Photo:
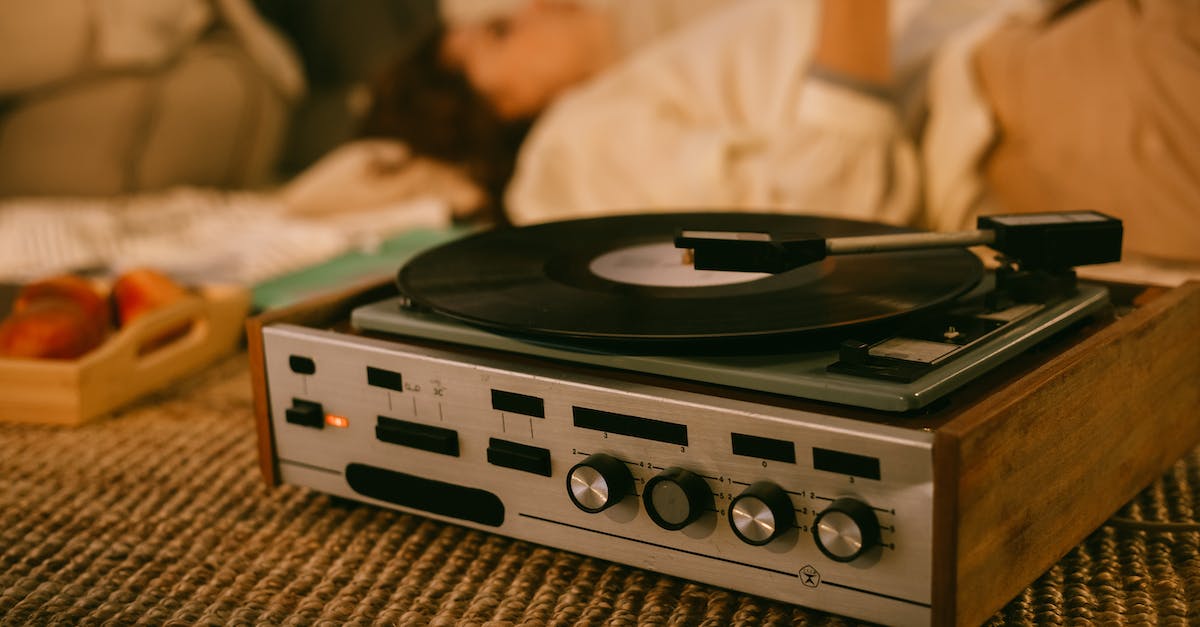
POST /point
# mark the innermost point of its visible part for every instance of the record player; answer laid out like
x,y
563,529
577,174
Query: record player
x,y
842,415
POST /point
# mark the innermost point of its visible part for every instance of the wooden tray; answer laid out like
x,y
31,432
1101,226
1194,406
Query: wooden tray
x,y
130,363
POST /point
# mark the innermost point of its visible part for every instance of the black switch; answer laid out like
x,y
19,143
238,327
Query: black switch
x,y
302,365
386,379
519,456
306,414
416,435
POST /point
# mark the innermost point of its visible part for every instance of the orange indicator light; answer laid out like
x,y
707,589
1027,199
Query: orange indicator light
x,y
335,420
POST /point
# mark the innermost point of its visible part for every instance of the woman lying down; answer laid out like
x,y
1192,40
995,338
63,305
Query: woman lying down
x,y
569,108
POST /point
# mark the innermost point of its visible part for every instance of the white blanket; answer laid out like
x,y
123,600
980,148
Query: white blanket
x,y
198,236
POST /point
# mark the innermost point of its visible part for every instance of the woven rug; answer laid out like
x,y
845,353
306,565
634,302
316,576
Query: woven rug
x,y
158,516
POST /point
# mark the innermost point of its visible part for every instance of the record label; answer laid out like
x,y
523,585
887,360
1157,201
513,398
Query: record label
x,y
661,265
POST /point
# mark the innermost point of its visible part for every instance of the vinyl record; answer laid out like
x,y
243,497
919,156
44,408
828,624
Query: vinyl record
x,y
620,279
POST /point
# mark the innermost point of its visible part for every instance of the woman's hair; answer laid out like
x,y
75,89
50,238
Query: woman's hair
x,y
431,107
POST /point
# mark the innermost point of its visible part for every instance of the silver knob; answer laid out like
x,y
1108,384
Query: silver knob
x,y
676,497
598,482
761,513
846,529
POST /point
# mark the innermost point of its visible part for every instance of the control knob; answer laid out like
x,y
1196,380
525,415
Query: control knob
x,y
598,482
761,513
846,529
676,497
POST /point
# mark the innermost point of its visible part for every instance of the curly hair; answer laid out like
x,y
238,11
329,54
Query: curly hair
x,y
433,108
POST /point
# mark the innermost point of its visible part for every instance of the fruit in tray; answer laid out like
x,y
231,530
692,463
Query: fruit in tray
x,y
69,288
138,292
141,291
50,329
66,316
61,317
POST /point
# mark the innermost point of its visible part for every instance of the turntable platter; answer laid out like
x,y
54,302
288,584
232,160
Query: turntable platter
x,y
620,279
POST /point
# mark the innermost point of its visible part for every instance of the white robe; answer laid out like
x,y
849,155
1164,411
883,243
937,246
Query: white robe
x,y
721,114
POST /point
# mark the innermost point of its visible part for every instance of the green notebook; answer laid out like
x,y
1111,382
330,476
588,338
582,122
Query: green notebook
x,y
348,268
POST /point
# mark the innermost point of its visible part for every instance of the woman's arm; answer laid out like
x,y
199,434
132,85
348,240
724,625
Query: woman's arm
x,y
853,40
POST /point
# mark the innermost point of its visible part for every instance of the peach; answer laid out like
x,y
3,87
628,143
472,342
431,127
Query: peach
x,y
140,291
67,287
50,328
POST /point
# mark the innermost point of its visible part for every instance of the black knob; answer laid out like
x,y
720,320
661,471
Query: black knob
x,y
846,529
598,482
761,513
676,497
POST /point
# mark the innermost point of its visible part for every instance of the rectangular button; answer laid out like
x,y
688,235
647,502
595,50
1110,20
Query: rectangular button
x,y
846,463
418,436
518,403
633,426
763,448
387,379
519,456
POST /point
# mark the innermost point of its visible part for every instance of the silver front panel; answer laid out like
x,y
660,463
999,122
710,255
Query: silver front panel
x,y
890,584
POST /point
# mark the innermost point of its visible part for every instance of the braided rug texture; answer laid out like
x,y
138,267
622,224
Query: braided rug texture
x,y
158,516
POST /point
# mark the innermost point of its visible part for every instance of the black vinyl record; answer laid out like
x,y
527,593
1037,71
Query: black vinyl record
x,y
620,280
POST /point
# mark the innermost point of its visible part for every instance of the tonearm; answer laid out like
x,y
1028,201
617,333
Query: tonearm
x,y
1038,251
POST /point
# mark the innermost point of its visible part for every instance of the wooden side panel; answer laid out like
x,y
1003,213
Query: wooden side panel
x,y
319,312
945,530
1044,461
262,406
